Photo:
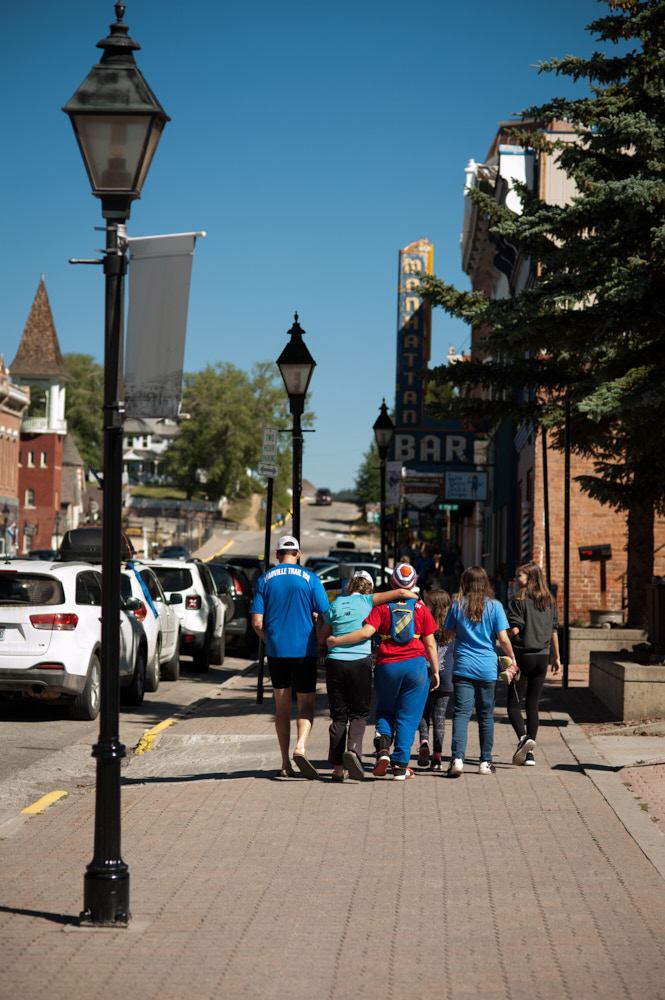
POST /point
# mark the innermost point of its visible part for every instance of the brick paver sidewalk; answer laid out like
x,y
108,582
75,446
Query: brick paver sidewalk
x,y
524,884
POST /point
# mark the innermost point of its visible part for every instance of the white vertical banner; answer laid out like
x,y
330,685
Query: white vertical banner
x,y
159,275
393,482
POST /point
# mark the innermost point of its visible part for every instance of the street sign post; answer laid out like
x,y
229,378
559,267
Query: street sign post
x,y
268,469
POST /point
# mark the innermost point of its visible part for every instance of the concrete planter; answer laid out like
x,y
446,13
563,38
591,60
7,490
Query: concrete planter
x,y
607,640
629,690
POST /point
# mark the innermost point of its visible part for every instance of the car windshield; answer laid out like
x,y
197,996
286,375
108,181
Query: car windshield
x,y
26,588
221,576
172,578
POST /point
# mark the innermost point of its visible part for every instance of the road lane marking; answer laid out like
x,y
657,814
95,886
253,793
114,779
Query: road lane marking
x,y
46,800
223,549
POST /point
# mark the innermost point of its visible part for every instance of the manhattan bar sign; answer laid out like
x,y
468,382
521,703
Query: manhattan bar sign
x,y
418,439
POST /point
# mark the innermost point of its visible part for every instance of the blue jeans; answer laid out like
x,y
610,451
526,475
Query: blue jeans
x,y
401,692
467,693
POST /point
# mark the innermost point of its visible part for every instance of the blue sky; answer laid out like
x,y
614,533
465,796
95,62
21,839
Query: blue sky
x,y
310,141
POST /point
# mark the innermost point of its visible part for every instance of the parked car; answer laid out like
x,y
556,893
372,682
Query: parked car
x,y
233,582
323,496
160,622
50,636
342,553
252,565
175,552
202,614
318,562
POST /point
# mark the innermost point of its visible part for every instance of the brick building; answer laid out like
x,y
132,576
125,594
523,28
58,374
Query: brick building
x,y
38,367
518,504
13,403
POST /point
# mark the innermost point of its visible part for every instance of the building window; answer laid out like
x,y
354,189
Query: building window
x,y
43,461
29,498
20,459
31,459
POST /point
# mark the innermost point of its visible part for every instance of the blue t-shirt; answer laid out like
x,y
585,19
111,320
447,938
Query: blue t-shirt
x,y
286,596
475,642
346,614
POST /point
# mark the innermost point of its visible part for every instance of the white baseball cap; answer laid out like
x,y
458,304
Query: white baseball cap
x,y
287,542
365,575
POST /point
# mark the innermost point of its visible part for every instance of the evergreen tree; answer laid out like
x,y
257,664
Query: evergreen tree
x,y
591,330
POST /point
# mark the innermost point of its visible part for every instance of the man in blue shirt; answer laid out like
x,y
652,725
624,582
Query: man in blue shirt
x,y
286,604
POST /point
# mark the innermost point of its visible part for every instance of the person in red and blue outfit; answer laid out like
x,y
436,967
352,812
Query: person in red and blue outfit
x,y
405,673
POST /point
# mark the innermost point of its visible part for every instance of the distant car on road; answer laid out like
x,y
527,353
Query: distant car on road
x,y
175,552
323,496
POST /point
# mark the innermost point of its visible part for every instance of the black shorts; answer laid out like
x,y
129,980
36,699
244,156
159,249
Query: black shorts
x,y
299,671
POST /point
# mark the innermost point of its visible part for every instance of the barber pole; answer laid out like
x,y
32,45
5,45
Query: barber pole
x,y
525,547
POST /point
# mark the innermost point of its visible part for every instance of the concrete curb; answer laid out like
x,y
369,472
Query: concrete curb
x,y
638,824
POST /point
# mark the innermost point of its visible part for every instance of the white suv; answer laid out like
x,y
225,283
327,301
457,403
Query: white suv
x,y
202,613
50,636
159,619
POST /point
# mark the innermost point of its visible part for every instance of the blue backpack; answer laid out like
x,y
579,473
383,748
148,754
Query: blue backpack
x,y
401,621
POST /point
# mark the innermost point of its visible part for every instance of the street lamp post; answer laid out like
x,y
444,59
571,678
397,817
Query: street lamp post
x,y
118,122
383,433
296,365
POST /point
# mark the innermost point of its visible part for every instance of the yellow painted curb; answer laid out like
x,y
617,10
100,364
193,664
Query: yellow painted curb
x,y
149,737
46,800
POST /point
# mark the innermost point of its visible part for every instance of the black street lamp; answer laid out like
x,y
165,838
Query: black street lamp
x,y
118,122
383,432
296,365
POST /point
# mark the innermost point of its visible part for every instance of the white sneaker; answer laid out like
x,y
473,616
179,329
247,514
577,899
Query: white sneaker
x,y
455,767
486,767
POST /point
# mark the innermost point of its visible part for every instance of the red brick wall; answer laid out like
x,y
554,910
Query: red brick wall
x,y
590,524
46,484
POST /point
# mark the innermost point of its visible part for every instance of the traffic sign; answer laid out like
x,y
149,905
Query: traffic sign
x,y
448,506
268,469
269,453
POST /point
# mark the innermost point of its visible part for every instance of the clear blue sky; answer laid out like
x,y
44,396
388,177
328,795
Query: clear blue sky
x,y
311,141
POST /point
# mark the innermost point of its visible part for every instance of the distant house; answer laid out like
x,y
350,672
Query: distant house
x,y
144,445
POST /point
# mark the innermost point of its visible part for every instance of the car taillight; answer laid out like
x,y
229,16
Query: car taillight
x,y
238,584
55,623
141,612
193,603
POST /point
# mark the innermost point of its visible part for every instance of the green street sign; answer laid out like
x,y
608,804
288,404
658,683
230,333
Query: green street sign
x,y
448,506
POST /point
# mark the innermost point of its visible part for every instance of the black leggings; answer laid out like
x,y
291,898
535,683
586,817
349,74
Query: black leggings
x,y
526,690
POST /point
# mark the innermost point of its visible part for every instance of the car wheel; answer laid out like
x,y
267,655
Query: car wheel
x,y
134,692
153,675
171,669
202,655
86,704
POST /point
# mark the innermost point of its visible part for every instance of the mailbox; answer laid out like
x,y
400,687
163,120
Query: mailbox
x,y
594,553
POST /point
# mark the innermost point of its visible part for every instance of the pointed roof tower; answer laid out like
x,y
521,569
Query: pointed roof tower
x,y
38,355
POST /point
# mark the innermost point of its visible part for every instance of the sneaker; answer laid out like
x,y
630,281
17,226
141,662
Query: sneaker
x,y
402,773
382,764
523,747
353,765
486,767
435,764
455,767
509,671
423,755
530,759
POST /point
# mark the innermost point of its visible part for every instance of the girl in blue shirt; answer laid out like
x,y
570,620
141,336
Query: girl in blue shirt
x,y
477,621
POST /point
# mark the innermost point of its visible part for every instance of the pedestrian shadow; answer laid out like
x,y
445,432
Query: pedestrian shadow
x,y
56,918
583,767
173,779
